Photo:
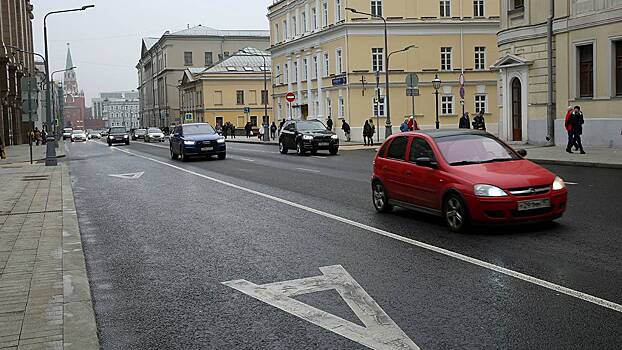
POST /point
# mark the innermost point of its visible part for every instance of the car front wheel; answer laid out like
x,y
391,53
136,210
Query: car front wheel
x,y
455,213
333,150
282,148
300,149
380,198
222,156
173,154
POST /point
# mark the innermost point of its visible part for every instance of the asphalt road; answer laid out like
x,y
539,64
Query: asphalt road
x,y
159,248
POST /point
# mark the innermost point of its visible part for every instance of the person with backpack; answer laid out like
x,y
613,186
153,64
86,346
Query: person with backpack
x,y
346,129
479,123
464,122
273,129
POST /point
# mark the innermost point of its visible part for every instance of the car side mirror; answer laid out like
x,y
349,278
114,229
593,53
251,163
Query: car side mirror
x,y
426,162
522,152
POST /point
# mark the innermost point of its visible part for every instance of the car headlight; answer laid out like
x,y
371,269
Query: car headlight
x,y
307,137
189,143
111,137
125,136
488,191
558,184
221,140
334,137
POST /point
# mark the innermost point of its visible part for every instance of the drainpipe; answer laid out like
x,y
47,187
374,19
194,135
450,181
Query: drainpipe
x,y
550,107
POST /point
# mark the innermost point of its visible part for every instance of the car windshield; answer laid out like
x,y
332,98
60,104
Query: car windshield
x,y
196,129
310,125
141,131
474,149
117,130
154,131
78,131
67,130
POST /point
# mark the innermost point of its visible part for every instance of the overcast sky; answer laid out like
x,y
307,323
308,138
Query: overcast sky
x,y
105,41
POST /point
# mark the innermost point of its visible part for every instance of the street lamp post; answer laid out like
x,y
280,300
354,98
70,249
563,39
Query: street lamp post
x,y
389,127
50,158
437,85
266,126
60,120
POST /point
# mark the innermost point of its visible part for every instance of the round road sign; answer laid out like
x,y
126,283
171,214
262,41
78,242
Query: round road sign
x,y
290,97
412,80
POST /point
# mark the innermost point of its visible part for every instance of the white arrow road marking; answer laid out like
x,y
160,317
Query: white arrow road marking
x,y
380,332
130,176
465,258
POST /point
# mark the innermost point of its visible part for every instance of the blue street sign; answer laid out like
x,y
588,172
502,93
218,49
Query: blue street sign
x,y
247,109
462,92
342,80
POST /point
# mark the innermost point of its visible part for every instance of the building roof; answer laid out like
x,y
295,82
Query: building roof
x,y
149,42
246,60
208,31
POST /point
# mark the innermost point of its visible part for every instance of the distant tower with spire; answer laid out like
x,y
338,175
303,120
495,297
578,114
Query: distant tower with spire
x,y
71,83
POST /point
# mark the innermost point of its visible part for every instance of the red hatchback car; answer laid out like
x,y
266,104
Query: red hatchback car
x,y
465,176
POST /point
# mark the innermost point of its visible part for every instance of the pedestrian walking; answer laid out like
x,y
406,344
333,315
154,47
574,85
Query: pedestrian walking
x,y
346,129
232,129
273,129
404,126
479,123
576,122
36,136
281,126
329,124
225,130
247,129
262,131
44,137
218,129
366,132
2,152
568,127
414,124
464,122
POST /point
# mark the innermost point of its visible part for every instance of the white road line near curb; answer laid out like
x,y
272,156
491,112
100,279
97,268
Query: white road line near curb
x,y
308,170
518,275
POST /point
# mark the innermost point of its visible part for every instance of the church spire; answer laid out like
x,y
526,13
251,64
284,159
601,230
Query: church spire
x,y
69,60
71,83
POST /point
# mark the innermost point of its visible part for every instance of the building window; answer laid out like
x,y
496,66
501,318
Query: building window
x,y
377,59
305,69
376,8
378,107
586,71
480,103
294,26
338,61
325,13
209,59
326,64
329,106
276,33
315,68
285,31
264,97
446,58
445,8
187,58
478,8
518,4
447,105
480,58
303,22
277,78
342,107
314,18
296,76
239,94
618,67
338,13
286,73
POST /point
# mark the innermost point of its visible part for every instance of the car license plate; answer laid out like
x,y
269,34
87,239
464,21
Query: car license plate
x,y
207,148
534,204
118,138
323,144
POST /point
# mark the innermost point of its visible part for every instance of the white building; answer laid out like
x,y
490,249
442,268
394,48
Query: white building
x,y
118,109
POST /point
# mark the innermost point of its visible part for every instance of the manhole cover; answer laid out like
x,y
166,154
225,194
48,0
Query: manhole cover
x,y
35,178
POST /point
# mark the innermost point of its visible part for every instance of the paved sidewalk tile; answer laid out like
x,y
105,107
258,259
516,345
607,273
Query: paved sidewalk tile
x,y
45,300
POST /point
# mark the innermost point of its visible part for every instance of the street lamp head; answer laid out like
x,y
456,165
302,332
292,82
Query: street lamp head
x,y
351,10
436,82
87,7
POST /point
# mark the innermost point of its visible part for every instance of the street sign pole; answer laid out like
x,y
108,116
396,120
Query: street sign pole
x,y
30,118
378,104
462,91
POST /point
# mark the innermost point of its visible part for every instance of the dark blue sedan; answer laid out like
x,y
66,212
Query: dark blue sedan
x,y
197,140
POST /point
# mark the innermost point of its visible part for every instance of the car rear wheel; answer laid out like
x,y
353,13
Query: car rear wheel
x,y
333,150
455,213
282,148
380,198
300,149
173,154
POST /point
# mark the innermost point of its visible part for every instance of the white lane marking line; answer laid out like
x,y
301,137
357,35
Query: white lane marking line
x,y
244,159
518,275
319,157
571,183
308,170
380,331
129,176
250,150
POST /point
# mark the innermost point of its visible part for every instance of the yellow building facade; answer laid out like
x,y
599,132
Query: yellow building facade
x,y
230,91
331,58
587,69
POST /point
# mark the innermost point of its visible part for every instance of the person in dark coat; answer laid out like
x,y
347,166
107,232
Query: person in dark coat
x,y
232,128
576,122
273,129
366,132
346,129
464,122
329,124
248,128
479,123
225,130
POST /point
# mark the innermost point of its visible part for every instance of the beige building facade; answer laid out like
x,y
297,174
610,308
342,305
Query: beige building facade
x,y
221,93
331,58
163,62
587,61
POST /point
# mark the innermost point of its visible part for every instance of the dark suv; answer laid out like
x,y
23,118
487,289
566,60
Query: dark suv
x,y
118,134
307,135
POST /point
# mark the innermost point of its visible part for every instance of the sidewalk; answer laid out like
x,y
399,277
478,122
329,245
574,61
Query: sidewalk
x,y
595,157
21,153
45,300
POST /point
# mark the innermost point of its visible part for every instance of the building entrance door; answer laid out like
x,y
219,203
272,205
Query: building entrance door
x,y
517,113
304,111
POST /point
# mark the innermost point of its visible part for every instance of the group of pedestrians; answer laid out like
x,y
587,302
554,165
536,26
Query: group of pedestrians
x,y
409,124
369,129
227,129
574,125
479,123
38,137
